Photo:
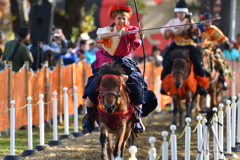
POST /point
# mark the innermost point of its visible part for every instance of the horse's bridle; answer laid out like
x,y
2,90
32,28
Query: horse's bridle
x,y
116,94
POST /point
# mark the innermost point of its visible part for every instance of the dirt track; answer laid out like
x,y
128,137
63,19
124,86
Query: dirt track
x,y
88,147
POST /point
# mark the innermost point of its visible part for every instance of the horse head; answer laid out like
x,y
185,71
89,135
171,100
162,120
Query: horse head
x,y
110,86
180,66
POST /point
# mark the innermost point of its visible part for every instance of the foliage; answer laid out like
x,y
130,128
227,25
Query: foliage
x,y
87,25
141,6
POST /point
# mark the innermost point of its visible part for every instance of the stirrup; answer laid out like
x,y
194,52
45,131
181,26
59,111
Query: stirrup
x,y
139,130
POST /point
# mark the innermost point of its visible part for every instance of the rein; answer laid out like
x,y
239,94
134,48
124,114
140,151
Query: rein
x,y
116,94
183,73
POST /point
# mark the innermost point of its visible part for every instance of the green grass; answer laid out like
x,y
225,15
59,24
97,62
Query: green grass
x,y
21,138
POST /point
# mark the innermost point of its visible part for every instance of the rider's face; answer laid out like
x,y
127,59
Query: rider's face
x,y
121,20
206,25
181,15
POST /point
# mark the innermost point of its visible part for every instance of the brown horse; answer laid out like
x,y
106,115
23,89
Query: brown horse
x,y
215,87
114,112
181,84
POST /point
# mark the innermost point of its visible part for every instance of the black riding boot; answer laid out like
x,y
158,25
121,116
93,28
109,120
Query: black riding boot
x,y
87,122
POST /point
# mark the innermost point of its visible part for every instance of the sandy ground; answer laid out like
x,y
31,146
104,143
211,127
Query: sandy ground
x,y
88,147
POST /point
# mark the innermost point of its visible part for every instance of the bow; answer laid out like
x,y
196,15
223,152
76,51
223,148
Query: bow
x,y
144,55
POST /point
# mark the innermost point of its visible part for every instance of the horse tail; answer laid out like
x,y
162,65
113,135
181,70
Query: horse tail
x,y
131,139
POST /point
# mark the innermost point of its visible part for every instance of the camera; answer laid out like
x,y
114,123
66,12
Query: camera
x,y
208,114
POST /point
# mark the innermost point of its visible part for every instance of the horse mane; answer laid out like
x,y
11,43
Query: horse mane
x,y
110,68
179,53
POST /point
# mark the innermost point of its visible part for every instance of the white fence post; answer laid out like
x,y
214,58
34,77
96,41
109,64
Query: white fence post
x,y
152,153
229,149
66,116
55,140
206,140
215,125
12,128
30,149
29,112
233,136
133,150
41,124
238,122
199,134
187,139
12,134
164,146
173,143
75,100
221,128
75,109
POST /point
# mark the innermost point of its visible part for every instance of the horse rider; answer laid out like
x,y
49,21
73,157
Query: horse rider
x,y
210,37
183,39
117,45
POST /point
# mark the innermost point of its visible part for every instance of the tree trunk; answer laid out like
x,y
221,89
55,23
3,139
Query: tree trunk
x,y
18,14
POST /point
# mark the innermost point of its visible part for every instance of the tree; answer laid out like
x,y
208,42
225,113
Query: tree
x,y
17,10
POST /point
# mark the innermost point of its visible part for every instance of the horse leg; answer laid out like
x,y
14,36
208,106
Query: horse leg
x,y
119,139
110,147
103,140
180,113
189,104
126,137
175,108
214,97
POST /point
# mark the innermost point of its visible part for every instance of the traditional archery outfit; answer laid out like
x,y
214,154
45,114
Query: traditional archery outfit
x,y
116,49
215,35
182,40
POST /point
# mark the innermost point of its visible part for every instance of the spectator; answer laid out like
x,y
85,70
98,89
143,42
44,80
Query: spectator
x,y
17,51
156,54
231,53
2,65
97,46
59,41
39,56
1,41
238,42
90,56
82,48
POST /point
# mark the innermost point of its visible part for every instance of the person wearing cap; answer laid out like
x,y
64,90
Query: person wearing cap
x,y
182,40
210,37
156,54
117,45
17,51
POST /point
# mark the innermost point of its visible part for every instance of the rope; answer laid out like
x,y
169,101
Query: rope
x,y
148,153
48,102
60,98
160,151
5,111
182,133
22,107
36,103
71,95
195,128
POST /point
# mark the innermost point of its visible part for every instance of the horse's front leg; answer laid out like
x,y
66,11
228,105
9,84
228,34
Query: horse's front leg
x,y
126,138
103,140
180,108
110,147
189,104
119,139
175,108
